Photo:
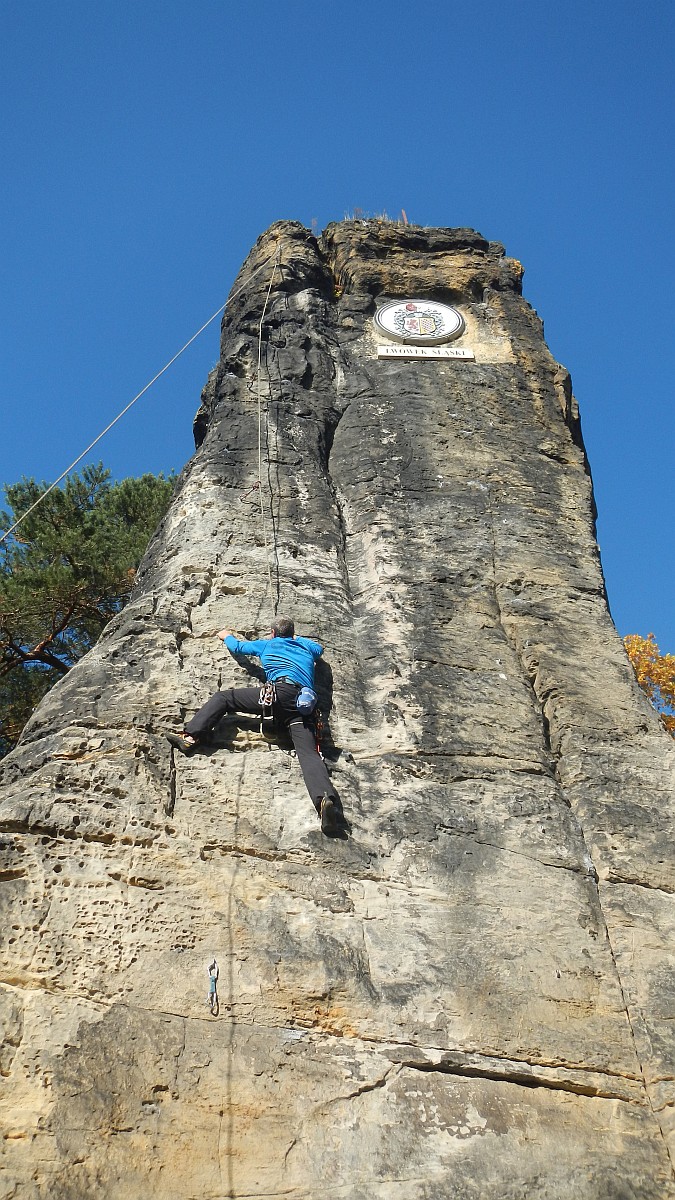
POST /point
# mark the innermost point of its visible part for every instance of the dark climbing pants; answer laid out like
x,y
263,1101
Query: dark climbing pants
x,y
301,729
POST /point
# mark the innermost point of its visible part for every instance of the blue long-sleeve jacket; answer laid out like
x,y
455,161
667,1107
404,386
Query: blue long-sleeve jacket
x,y
292,657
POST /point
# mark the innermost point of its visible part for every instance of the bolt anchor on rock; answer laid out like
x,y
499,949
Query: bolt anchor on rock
x,y
212,998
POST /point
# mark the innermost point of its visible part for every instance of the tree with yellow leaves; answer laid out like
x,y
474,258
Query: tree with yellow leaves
x,y
656,675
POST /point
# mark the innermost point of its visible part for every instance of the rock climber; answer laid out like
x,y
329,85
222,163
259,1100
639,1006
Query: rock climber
x,y
288,662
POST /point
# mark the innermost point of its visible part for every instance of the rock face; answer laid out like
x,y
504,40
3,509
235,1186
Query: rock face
x,y
470,996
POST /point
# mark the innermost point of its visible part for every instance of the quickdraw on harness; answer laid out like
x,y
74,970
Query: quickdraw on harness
x,y
319,729
212,998
266,700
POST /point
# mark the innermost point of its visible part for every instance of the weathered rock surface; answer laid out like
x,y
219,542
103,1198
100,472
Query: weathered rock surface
x,y
474,994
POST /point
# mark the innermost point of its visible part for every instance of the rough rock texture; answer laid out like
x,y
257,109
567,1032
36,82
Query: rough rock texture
x,y
471,996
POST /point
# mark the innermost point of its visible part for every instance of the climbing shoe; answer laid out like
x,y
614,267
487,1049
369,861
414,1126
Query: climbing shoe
x,y
330,816
183,742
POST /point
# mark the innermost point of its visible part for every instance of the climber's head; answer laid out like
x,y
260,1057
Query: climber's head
x,y
283,627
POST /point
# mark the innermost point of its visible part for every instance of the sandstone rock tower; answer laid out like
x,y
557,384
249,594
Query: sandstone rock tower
x,y
470,996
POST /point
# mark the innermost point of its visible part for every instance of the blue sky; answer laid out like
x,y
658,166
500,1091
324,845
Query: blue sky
x,y
146,145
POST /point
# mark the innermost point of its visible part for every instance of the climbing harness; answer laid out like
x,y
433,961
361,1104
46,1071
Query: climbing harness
x,y
212,998
245,284
319,726
306,704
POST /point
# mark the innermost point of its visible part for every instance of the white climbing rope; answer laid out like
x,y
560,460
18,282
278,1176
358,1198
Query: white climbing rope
x,y
131,403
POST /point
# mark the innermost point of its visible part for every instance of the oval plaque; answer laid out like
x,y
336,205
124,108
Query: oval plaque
x,y
419,322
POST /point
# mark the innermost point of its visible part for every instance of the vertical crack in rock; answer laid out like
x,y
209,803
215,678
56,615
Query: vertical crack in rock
x,y
662,1123
537,706
330,431
171,800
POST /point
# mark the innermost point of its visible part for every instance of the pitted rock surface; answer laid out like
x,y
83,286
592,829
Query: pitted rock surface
x,y
470,996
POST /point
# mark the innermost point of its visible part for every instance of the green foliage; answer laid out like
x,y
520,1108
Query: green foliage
x,y
20,692
64,573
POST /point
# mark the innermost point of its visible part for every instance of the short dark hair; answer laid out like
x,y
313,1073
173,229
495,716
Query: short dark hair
x,y
283,627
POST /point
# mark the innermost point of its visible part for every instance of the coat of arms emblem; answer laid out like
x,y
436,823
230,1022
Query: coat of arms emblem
x,y
411,321
419,322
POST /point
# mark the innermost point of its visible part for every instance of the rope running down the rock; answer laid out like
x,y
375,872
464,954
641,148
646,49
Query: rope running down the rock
x,y
131,403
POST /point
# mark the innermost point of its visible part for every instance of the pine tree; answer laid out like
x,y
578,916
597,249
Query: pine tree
x,y
64,573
